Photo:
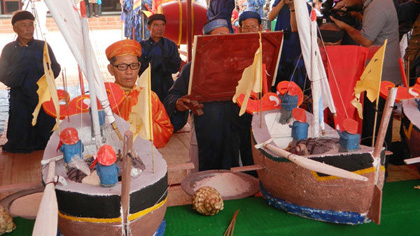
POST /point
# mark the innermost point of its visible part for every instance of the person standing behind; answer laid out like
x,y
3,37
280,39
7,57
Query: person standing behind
x,y
256,6
218,132
21,66
290,58
163,55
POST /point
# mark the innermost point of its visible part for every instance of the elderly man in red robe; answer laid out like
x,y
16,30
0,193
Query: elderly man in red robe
x,y
124,65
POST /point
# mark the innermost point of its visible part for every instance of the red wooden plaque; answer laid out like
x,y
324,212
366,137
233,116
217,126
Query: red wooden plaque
x,y
219,61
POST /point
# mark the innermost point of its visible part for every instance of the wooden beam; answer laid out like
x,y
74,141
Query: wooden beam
x,y
183,166
246,168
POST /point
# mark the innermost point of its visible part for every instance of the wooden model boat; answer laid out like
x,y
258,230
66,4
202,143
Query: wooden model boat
x,y
86,209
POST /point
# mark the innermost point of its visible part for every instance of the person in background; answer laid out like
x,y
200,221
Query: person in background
x,y
93,7
162,53
21,66
123,57
380,22
291,66
221,9
256,6
219,136
250,22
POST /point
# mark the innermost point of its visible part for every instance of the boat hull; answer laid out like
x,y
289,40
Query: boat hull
x,y
313,195
411,126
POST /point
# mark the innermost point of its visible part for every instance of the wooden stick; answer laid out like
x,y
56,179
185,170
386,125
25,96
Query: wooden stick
x,y
126,179
389,104
314,165
374,212
183,166
231,227
47,217
413,160
246,168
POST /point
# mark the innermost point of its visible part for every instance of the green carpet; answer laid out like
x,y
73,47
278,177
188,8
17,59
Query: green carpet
x,y
400,216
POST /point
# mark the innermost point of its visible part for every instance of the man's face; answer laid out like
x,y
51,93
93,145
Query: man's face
x,y
220,30
157,29
126,78
250,25
24,29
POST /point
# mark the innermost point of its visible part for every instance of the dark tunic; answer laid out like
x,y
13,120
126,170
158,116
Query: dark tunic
x,y
20,69
291,65
165,60
221,9
222,135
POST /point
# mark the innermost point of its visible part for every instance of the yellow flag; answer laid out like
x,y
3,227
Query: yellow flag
x,y
251,79
140,118
370,81
47,89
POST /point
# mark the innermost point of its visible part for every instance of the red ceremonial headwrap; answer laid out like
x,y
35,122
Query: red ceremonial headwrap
x,y
123,47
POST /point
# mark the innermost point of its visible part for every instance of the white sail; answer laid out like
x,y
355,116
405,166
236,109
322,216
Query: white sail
x,y
313,63
74,29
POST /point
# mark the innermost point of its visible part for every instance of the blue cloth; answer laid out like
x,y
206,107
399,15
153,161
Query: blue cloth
x,y
221,133
256,6
299,130
211,25
20,69
134,18
69,151
349,141
221,9
291,51
108,175
165,60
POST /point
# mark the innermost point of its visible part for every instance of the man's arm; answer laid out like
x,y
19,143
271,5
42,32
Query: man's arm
x,y
175,98
173,61
56,68
162,126
275,10
353,33
11,69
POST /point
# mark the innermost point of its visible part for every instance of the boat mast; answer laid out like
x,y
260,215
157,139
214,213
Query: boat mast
x,y
89,77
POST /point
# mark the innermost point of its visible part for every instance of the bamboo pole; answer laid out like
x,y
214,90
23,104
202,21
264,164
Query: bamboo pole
x,y
126,180
47,217
313,165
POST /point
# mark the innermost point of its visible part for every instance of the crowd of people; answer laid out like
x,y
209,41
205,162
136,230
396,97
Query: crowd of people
x,y
220,139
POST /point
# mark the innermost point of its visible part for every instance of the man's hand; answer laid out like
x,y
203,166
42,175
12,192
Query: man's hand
x,y
339,23
184,103
346,3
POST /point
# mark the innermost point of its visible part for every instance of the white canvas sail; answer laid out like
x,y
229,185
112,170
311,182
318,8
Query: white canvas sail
x,y
74,29
321,93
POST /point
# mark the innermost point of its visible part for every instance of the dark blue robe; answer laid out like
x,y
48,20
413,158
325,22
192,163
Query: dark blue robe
x,y
221,133
165,60
291,51
20,69
221,9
